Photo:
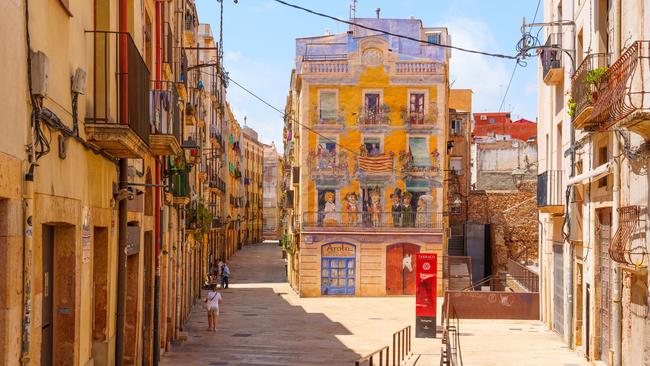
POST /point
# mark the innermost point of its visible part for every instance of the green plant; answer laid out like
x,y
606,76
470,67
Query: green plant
x,y
200,218
595,76
571,105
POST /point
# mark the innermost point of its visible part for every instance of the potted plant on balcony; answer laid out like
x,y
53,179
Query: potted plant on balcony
x,y
593,79
571,107
199,220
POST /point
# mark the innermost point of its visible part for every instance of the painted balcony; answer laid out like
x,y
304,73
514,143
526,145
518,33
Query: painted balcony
x,y
375,119
419,122
550,192
584,91
418,68
372,221
374,169
623,93
552,67
119,120
328,167
326,67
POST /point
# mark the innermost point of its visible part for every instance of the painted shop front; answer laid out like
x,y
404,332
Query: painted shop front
x,y
363,264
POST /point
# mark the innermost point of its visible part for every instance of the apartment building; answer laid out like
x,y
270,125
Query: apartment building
x,y
593,183
367,127
272,192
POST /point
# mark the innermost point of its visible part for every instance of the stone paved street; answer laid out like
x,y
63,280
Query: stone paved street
x,y
263,322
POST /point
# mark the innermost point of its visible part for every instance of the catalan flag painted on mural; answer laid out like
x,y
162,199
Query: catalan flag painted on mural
x,y
376,164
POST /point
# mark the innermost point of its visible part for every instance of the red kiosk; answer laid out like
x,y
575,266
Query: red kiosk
x,y
425,295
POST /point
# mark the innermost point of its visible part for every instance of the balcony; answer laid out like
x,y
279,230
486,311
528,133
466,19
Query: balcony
x,y
328,167
163,110
216,183
374,119
374,168
418,68
550,192
119,119
372,221
326,67
419,122
621,96
552,68
583,91
180,187
332,121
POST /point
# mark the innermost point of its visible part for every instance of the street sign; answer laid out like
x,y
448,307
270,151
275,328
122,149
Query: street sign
x,y
425,295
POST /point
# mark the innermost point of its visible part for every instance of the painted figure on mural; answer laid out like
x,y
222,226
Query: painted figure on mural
x,y
352,208
375,207
408,213
435,160
396,207
425,203
329,209
374,151
363,150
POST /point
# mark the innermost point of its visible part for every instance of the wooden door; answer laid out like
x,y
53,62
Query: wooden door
x,y
48,292
400,268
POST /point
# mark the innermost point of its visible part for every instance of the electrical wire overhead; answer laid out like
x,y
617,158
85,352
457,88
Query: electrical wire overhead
x,y
491,54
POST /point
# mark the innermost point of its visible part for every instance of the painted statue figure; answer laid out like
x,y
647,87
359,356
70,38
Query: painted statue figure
x,y
352,208
329,209
396,206
375,207
408,213
407,262
425,203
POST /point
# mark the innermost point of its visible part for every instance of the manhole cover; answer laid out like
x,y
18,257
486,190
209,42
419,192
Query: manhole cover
x,y
241,335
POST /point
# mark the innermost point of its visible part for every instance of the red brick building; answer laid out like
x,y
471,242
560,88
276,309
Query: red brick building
x,y
502,127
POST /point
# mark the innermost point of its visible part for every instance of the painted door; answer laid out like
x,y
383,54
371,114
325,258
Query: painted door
x,y
400,268
337,276
48,292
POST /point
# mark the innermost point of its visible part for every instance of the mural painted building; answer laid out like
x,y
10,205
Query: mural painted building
x,y
370,142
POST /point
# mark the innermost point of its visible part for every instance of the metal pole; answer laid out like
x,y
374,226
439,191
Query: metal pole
x,y
121,266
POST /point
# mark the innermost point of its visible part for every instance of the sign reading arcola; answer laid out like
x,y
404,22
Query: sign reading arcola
x,y
342,250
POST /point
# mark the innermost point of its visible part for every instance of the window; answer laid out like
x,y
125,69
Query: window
x,y
456,165
372,146
491,121
372,103
455,127
328,106
483,117
602,155
433,38
419,148
416,108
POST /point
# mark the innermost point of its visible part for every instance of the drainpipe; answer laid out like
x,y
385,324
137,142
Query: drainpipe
x,y
28,255
616,280
158,212
123,64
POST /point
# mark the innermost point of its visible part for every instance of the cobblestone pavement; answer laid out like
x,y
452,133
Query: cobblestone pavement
x,y
263,322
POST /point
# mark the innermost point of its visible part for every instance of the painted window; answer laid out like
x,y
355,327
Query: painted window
x,y
328,110
433,38
419,148
416,103
372,103
373,145
456,164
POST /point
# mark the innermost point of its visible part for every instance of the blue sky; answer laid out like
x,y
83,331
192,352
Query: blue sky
x,y
259,41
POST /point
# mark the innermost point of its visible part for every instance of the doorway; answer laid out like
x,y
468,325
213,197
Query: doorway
x,y
603,232
100,288
47,328
578,305
147,311
400,268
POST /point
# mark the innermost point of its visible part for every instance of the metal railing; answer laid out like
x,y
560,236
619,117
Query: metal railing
x,y
374,117
180,183
582,92
390,356
451,354
130,79
550,191
622,89
551,59
526,278
373,220
163,109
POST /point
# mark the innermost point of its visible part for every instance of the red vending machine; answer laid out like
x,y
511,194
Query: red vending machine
x,y
425,295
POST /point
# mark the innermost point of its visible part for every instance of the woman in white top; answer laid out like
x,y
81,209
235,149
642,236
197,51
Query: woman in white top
x,y
212,301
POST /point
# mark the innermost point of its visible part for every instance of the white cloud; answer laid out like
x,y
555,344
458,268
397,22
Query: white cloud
x,y
230,55
486,76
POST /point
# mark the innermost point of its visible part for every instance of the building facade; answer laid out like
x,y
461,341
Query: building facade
x,y
592,182
272,192
368,118
115,203
253,161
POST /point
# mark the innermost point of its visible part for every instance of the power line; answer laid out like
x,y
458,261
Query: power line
x,y
498,55
293,119
508,88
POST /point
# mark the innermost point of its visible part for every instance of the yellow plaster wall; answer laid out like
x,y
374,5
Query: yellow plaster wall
x,y
460,99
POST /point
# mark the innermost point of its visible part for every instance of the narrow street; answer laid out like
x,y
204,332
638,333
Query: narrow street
x,y
263,322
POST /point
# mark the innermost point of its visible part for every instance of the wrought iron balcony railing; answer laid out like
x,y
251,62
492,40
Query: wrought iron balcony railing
x,y
366,220
550,191
622,89
552,70
583,90
121,89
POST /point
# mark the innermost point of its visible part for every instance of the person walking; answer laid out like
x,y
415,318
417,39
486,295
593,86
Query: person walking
x,y
212,301
225,273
